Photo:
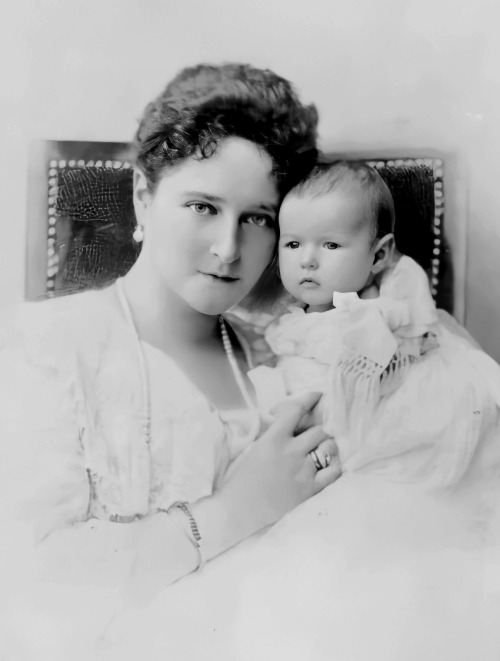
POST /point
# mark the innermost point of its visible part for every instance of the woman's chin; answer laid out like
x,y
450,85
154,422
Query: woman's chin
x,y
214,296
212,306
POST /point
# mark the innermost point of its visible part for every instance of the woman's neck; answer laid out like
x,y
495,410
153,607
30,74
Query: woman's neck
x,y
161,317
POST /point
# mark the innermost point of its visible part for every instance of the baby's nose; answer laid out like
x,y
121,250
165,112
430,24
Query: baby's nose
x,y
309,259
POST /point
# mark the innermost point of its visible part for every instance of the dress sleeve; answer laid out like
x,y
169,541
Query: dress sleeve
x,y
44,485
43,480
44,491
63,574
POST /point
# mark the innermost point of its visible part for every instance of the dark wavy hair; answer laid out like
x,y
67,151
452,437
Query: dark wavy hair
x,y
205,104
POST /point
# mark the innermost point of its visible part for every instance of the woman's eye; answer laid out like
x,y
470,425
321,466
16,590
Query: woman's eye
x,y
260,221
330,245
202,209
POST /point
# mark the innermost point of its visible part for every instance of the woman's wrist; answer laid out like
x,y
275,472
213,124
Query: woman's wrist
x,y
166,552
221,523
163,554
181,514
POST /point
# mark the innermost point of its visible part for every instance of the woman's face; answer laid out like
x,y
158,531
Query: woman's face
x,y
209,228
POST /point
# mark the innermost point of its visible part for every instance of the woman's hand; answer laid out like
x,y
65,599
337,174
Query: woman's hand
x,y
272,477
314,416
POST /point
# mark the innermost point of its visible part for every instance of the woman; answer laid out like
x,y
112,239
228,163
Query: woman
x,y
122,409
368,568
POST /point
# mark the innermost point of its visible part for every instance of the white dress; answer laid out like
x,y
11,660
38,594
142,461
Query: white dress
x,y
377,566
76,466
367,570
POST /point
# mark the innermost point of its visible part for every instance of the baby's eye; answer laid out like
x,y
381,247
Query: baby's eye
x,y
260,221
293,245
330,245
202,209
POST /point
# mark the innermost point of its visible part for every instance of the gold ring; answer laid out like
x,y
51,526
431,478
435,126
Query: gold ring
x,y
317,461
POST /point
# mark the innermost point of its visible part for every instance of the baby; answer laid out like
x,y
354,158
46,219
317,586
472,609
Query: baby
x,y
405,394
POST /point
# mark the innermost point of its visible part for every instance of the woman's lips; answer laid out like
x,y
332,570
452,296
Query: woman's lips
x,y
220,277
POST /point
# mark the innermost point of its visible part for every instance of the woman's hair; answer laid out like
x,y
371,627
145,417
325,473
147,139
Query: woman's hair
x,y
205,104
351,177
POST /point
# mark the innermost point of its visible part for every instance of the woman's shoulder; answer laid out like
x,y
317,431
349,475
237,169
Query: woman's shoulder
x,y
68,309
57,327
86,314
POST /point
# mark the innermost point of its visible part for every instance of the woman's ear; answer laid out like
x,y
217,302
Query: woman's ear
x,y
141,196
383,254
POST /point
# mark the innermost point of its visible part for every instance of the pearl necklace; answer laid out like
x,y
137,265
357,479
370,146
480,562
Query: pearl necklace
x,y
238,376
145,388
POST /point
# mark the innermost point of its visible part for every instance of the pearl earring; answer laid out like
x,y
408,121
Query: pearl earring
x,y
138,234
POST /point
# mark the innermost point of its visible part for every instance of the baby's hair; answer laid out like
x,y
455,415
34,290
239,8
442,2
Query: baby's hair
x,y
349,177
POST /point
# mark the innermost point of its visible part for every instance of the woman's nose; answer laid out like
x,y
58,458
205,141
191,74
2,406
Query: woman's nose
x,y
308,259
226,245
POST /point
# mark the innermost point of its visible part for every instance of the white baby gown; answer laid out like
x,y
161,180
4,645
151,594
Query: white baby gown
x,y
399,559
404,396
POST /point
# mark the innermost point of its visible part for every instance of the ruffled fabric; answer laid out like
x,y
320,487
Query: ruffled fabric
x,y
252,326
72,414
403,395
381,338
76,463
202,442
393,570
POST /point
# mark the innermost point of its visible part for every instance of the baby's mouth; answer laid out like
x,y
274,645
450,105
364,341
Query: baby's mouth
x,y
308,281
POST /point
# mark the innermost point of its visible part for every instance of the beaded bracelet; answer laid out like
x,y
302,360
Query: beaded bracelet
x,y
195,537
183,506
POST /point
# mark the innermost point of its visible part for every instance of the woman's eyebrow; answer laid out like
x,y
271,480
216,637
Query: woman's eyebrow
x,y
207,196
271,207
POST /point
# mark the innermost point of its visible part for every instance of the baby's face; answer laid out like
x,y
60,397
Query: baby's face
x,y
326,245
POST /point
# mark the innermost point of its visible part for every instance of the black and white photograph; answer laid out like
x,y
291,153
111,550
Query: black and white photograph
x,y
250,330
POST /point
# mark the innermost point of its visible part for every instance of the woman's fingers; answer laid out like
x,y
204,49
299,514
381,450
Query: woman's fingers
x,y
322,455
328,475
289,413
310,439
328,447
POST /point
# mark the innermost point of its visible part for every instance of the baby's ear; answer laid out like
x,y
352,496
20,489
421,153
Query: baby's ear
x,y
383,254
